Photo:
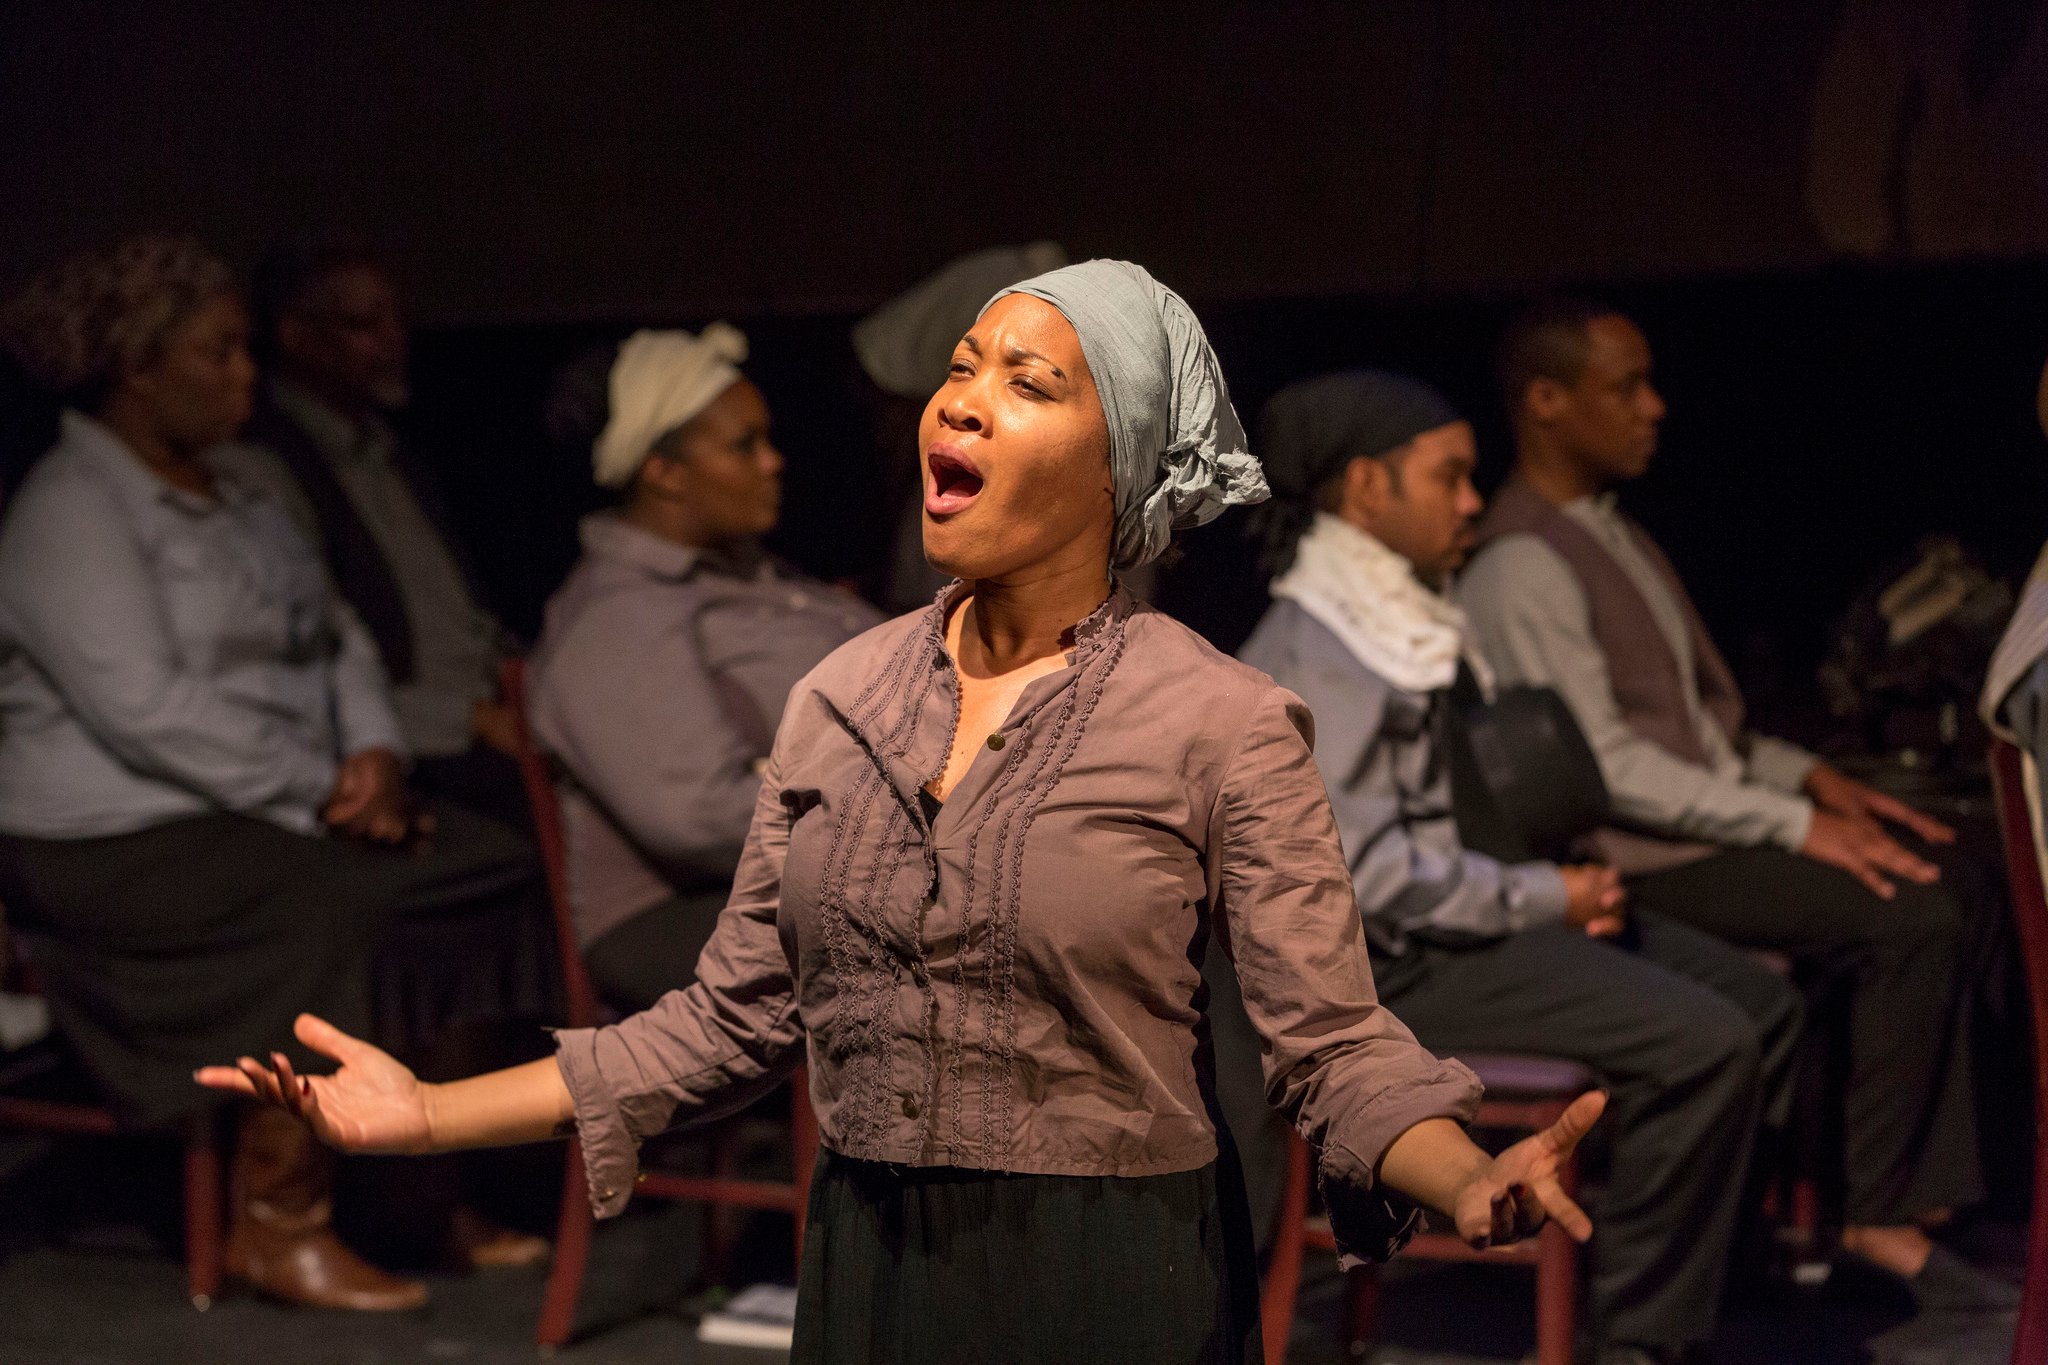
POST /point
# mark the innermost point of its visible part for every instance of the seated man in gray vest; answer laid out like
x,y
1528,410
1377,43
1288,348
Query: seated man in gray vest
x,y
1373,507
1741,835
322,442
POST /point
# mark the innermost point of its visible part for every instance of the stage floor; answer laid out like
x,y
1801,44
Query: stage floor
x,y
93,1287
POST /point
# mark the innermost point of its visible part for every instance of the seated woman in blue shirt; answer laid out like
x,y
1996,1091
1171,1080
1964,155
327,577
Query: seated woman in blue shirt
x,y
201,780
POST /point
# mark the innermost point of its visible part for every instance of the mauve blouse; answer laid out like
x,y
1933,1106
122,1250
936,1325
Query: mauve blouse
x,y
1016,985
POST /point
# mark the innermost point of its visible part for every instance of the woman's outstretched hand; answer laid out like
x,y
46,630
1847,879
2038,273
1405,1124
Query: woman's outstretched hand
x,y
370,1104
1510,1197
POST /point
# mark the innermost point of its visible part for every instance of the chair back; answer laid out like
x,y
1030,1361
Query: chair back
x,y
2030,911
537,774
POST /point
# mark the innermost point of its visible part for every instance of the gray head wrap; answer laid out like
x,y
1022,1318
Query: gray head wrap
x,y
1177,453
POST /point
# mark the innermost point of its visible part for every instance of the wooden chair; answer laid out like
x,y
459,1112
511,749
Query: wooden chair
x,y
1522,1093
204,1183
2030,910
718,1191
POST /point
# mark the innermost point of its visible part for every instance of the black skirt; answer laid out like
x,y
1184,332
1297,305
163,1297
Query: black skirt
x,y
929,1266
199,939
188,943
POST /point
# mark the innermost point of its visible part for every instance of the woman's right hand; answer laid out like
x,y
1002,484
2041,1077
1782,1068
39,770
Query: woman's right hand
x,y
371,1103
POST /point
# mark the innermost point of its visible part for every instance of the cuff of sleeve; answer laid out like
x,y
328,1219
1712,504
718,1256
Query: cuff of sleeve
x,y
356,741
1793,826
1368,1221
1541,894
367,723
1370,1226
313,784
611,1155
1780,766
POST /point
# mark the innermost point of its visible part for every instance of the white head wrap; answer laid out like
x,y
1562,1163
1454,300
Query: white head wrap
x,y
906,345
660,381
1177,453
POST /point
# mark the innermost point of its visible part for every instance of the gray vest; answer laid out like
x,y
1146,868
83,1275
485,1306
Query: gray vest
x,y
1648,685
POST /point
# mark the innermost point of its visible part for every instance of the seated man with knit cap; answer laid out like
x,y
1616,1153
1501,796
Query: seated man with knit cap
x,y
1746,837
666,658
1373,509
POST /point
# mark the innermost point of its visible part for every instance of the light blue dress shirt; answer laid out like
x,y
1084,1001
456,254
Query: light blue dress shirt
x,y
164,654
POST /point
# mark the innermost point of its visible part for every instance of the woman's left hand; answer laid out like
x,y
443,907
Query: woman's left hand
x,y
1508,1198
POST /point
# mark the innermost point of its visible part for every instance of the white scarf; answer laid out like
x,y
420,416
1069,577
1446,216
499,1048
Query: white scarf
x,y
1370,599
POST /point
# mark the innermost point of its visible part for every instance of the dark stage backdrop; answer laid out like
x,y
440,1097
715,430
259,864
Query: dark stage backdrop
x,y
530,161
1832,216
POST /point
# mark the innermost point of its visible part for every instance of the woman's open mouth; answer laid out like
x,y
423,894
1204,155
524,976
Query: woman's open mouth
x,y
954,482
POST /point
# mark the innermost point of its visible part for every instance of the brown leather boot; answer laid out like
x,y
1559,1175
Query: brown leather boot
x,y
281,1240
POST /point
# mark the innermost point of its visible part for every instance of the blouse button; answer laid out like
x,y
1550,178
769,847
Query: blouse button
x,y
910,1106
995,742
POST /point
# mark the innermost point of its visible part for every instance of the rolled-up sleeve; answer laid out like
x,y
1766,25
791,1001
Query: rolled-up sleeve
x,y
1347,1074
701,1052
79,599
1778,764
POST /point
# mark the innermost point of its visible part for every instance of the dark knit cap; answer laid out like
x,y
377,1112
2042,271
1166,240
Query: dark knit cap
x,y
1312,429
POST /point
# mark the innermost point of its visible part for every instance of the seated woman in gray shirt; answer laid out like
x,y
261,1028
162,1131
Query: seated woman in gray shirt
x,y
991,842
666,657
202,799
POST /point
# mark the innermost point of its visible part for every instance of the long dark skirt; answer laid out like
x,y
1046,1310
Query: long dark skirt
x,y
200,939
910,1266
186,943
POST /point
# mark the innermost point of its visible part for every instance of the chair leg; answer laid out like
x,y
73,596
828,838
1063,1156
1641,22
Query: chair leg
x,y
572,1255
721,1221
1557,1285
205,1212
1362,1310
803,1142
1283,1264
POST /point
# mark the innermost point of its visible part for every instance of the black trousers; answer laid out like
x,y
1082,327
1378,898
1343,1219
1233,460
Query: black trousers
x,y
467,943
1693,1041
637,962
1909,1125
479,779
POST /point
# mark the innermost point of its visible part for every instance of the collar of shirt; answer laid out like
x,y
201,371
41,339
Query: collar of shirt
x,y
339,436
1599,513
139,488
607,535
